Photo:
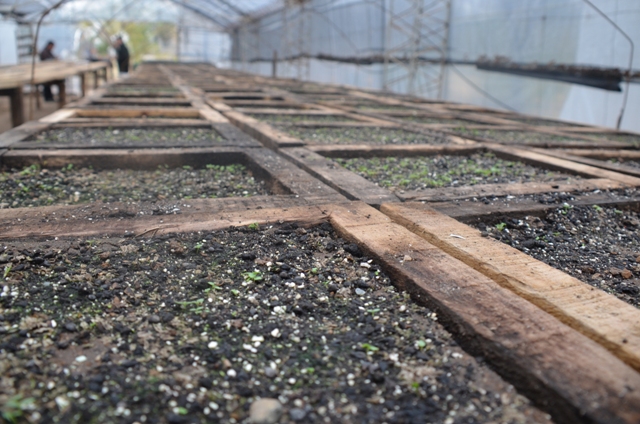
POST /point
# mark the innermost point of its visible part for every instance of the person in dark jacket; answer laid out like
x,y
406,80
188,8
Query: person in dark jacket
x,y
47,54
122,55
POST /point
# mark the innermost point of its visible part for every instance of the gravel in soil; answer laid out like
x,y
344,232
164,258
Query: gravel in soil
x,y
129,136
598,245
517,137
33,186
361,135
415,173
196,327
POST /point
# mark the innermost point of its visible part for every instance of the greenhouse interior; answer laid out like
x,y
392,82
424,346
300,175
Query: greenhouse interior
x,y
332,211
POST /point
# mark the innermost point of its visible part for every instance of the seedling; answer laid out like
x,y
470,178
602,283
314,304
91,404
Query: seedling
x,y
501,226
369,347
253,276
198,247
235,292
597,208
254,226
7,270
421,344
213,286
12,410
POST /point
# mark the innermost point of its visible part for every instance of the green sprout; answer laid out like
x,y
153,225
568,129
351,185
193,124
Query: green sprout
x,y
12,410
501,226
198,247
254,226
597,208
7,270
253,276
369,347
213,286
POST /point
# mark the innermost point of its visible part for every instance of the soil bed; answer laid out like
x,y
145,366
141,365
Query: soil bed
x,y
33,186
516,137
415,173
193,328
129,136
597,245
362,135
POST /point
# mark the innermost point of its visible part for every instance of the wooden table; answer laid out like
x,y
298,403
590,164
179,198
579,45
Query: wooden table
x,y
14,78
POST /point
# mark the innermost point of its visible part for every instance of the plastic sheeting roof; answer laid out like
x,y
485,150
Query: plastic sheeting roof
x,y
222,13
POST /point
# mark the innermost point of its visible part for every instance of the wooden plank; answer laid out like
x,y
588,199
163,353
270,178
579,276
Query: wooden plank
x,y
288,112
470,211
569,375
497,190
602,153
131,123
368,150
141,101
59,115
292,179
164,224
616,167
600,316
349,184
562,164
139,113
16,101
125,158
340,124
261,131
20,133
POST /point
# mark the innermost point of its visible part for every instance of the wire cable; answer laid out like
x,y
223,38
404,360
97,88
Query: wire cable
x,y
480,90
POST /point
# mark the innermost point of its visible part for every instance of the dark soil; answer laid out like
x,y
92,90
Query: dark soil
x,y
193,328
516,137
33,186
597,245
362,135
415,173
130,136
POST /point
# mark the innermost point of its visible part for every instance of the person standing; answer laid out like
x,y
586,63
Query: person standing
x,y
122,55
47,54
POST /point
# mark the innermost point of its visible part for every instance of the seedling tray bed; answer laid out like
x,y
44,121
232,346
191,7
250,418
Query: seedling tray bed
x,y
199,326
520,137
598,245
416,173
33,186
123,137
362,135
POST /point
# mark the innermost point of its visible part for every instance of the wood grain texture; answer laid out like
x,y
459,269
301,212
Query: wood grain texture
x,y
600,316
569,375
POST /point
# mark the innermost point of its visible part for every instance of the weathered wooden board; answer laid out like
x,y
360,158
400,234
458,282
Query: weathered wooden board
x,y
349,184
568,374
519,189
595,313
